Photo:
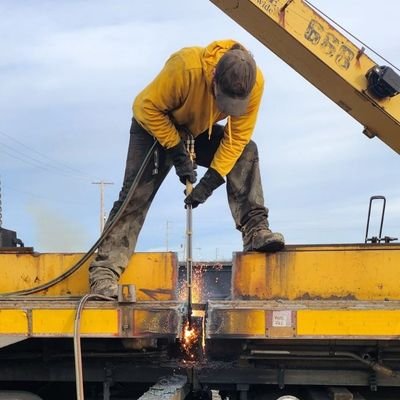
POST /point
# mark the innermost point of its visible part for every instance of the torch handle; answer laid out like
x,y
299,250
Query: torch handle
x,y
189,254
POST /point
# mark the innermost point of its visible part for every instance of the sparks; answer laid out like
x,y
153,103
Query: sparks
x,y
189,340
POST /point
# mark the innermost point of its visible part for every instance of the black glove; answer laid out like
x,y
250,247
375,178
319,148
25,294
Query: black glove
x,y
184,166
208,183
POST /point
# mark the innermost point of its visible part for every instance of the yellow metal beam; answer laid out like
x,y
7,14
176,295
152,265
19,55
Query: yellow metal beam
x,y
352,272
324,56
39,316
303,319
155,275
52,312
51,322
13,322
367,323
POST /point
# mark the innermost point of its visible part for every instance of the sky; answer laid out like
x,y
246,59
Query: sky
x,y
69,72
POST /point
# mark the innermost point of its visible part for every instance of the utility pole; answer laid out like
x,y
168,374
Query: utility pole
x,y
167,235
102,213
199,251
183,247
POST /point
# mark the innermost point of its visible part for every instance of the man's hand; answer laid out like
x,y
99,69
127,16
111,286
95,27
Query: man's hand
x,y
184,166
208,183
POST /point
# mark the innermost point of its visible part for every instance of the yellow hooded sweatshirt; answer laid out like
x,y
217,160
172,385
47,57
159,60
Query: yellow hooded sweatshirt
x,y
182,94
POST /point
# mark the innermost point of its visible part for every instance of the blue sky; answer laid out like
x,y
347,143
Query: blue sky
x,y
69,71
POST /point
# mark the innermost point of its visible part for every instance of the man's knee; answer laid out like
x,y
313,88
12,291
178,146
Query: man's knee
x,y
250,152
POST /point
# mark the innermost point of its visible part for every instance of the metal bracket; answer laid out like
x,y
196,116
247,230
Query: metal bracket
x,y
126,293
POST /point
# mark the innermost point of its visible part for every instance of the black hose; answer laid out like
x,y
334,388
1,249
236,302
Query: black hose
x,y
106,231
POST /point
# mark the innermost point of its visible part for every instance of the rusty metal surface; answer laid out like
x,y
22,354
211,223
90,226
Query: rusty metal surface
x,y
155,275
334,272
53,317
314,319
16,250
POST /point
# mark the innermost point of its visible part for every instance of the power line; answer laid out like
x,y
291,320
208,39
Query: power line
x,y
31,194
68,167
350,34
27,159
24,160
53,165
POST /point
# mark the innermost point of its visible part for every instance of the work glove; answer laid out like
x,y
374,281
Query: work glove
x,y
184,166
201,192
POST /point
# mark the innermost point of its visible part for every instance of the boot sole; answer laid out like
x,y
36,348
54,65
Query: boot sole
x,y
271,247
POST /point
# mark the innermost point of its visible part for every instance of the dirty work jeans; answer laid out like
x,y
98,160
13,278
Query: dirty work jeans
x,y
243,185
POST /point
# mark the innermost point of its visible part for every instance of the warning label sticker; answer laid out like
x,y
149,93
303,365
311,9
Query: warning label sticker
x,y
281,319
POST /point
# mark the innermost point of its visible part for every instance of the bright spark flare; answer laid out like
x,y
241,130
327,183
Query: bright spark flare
x,y
189,340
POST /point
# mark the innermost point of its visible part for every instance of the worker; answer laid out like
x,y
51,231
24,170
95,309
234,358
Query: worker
x,y
197,87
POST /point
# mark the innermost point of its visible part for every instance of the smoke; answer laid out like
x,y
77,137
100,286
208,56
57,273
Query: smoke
x,y
54,232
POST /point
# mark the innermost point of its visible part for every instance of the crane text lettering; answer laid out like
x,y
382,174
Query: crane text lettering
x,y
329,44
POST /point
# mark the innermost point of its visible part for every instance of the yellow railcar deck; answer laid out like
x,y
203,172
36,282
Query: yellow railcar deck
x,y
35,316
304,292
307,319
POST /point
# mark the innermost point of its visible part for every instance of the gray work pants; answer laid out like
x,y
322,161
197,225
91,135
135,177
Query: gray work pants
x,y
244,191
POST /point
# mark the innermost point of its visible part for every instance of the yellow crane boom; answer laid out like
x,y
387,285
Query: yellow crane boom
x,y
307,42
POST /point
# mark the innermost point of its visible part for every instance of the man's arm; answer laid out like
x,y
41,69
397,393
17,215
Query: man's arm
x,y
152,107
165,93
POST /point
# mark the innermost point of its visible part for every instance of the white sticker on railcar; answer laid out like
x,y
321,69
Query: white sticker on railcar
x,y
281,319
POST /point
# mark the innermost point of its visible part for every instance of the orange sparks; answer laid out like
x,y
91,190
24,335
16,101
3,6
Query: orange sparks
x,y
189,340
199,291
193,340
189,336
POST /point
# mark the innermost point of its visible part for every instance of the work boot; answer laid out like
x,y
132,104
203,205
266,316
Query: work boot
x,y
105,287
263,240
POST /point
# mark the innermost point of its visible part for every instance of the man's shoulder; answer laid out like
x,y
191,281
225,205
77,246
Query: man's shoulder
x,y
188,57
